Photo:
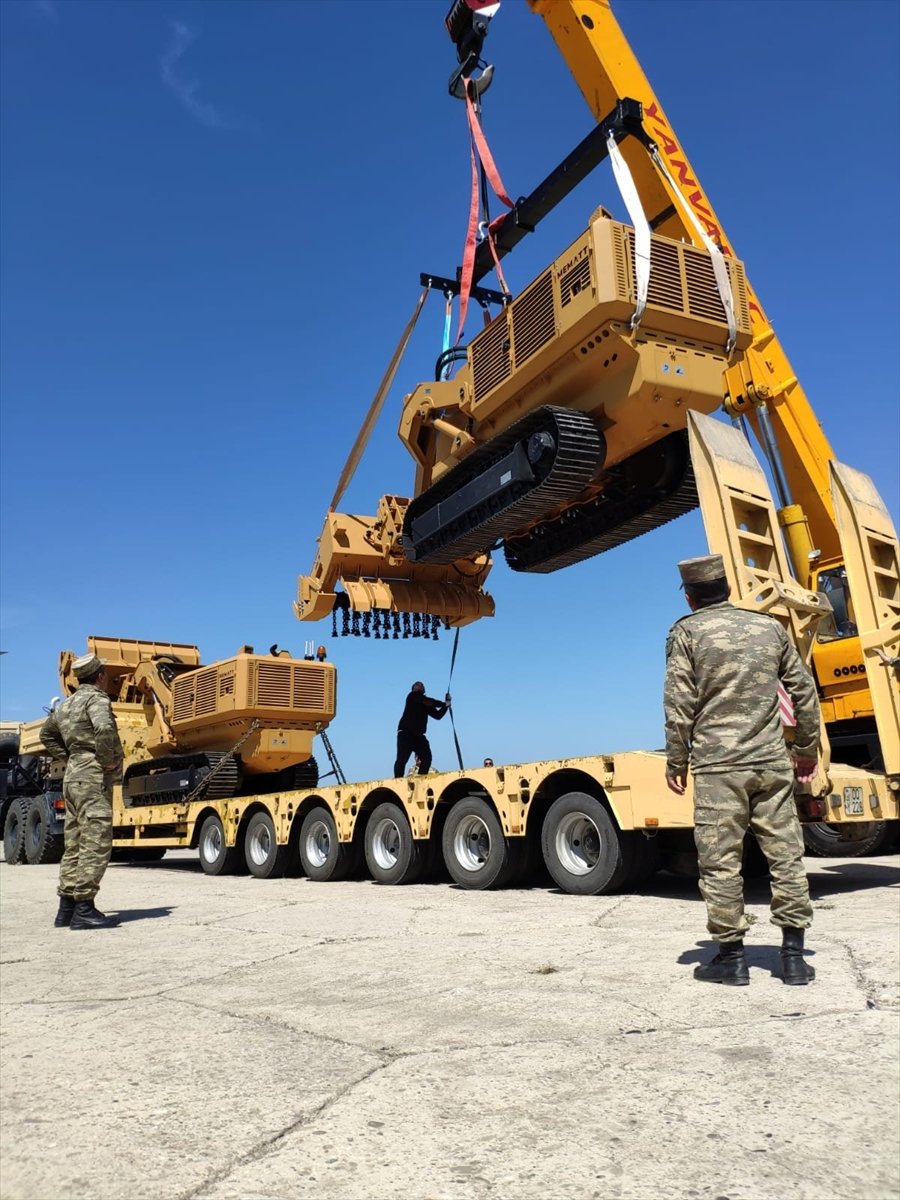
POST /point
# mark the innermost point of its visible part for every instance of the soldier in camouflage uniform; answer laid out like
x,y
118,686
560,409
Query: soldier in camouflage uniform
x,y
723,666
83,732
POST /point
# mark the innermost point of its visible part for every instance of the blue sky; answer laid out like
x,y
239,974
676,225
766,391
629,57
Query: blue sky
x,y
213,221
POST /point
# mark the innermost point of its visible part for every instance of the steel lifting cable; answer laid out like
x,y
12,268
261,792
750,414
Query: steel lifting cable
x,y
459,757
376,406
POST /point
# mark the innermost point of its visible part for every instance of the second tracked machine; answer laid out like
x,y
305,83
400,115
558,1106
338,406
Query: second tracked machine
x,y
244,724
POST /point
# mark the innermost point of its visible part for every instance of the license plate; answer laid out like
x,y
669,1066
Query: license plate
x,y
853,802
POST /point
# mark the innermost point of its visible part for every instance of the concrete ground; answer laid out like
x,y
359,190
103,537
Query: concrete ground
x,y
244,1040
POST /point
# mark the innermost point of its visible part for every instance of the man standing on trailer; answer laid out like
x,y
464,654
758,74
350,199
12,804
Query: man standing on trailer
x,y
83,731
411,737
723,667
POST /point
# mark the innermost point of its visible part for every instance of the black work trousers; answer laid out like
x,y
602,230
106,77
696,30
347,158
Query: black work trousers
x,y
412,743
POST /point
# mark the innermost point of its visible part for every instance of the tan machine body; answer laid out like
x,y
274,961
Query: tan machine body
x,y
273,704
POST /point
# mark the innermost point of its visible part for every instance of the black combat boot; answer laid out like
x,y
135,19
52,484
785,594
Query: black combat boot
x,y
795,970
88,917
729,966
65,911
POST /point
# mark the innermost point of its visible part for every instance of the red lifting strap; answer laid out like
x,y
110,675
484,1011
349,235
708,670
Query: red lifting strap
x,y
479,142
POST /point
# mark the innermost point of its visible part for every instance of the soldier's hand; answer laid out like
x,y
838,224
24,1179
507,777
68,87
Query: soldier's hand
x,y
805,769
677,780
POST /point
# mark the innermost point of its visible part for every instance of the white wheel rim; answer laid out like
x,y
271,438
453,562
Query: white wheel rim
x,y
386,843
472,844
577,843
260,846
212,844
318,844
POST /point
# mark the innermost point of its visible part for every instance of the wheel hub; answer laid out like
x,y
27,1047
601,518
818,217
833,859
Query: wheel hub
x,y
578,843
386,844
472,843
318,844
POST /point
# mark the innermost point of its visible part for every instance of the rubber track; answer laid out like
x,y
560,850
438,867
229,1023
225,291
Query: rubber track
x,y
611,520
224,785
579,456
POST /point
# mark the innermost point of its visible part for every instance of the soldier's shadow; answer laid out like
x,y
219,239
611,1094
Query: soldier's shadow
x,y
125,915
767,958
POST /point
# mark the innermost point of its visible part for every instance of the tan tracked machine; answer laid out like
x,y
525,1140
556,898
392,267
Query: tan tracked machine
x,y
562,434
245,723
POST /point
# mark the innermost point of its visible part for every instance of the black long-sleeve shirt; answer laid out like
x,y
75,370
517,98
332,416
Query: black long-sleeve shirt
x,y
417,710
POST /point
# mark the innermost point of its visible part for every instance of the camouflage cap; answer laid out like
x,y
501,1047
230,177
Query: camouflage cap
x,y
702,570
87,665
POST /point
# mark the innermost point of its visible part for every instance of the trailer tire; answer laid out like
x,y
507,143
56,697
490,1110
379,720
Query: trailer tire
x,y
216,858
827,841
323,856
41,846
584,850
14,832
393,856
476,853
264,857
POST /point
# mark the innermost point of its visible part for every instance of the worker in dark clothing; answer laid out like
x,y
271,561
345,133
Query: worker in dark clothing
x,y
411,737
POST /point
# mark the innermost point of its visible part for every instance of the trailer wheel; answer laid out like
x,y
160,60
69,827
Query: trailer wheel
x,y
476,853
41,846
216,858
393,855
828,841
584,851
264,857
14,832
323,857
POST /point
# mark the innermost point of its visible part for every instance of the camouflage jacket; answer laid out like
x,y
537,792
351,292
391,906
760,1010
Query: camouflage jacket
x,y
84,727
723,665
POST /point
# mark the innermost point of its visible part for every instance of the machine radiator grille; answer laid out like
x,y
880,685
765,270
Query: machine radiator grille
x,y
310,689
574,281
206,692
533,319
194,695
666,288
490,357
273,685
682,280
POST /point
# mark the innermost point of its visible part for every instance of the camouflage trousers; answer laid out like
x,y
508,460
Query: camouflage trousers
x,y
725,806
88,832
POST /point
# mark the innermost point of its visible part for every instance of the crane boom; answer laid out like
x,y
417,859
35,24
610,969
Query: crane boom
x,y
604,67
